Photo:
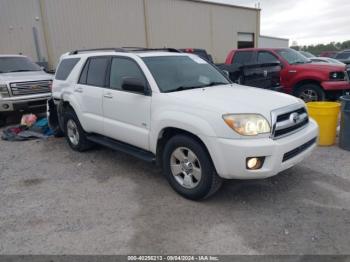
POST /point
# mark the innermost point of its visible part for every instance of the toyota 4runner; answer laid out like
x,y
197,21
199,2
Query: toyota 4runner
x,y
24,86
181,112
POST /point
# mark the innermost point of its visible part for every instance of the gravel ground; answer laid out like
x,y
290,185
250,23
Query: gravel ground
x,y
56,201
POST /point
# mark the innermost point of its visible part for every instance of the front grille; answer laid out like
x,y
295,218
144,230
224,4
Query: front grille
x,y
298,150
30,88
286,116
286,123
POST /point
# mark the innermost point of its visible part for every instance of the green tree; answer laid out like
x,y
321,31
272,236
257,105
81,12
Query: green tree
x,y
317,49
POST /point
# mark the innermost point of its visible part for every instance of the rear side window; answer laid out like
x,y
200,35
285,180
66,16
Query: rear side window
x,y
243,57
65,68
122,68
96,75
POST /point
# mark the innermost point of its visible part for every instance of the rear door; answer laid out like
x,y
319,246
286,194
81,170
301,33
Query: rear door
x,y
126,114
89,93
265,74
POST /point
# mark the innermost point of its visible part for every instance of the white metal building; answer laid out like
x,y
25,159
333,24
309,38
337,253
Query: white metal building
x,y
44,29
273,42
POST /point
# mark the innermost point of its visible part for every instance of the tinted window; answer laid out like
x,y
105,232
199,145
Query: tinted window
x,y
66,66
17,64
344,55
177,73
122,68
96,75
243,58
266,57
83,75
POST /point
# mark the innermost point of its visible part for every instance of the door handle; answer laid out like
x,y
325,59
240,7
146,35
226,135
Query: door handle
x,y
108,95
78,90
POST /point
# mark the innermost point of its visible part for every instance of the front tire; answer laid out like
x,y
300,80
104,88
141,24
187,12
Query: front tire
x,y
74,132
310,93
189,169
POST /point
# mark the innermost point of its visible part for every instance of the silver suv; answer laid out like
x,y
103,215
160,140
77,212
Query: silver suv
x,y
24,86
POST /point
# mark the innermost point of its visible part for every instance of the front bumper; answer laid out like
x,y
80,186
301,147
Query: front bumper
x,y
24,103
229,155
335,85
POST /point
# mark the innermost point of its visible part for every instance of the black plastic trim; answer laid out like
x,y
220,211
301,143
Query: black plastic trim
x,y
123,147
298,150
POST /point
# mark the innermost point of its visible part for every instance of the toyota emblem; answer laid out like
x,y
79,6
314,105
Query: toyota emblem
x,y
294,117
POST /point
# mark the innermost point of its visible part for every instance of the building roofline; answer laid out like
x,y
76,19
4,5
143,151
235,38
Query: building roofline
x,y
224,4
272,37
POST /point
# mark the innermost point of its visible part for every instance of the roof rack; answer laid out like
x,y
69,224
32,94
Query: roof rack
x,y
97,49
125,49
141,49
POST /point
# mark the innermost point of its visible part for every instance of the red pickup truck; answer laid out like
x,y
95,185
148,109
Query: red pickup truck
x,y
298,76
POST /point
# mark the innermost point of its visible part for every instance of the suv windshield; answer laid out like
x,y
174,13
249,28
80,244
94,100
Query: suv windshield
x,y
292,56
17,64
177,73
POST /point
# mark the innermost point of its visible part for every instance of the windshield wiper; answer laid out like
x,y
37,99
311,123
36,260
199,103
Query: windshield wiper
x,y
21,70
182,88
215,84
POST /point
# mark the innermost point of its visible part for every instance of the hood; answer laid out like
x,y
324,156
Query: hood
x,y
321,66
235,98
25,76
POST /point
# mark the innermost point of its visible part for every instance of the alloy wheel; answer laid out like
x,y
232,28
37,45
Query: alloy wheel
x,y
185,167
72,132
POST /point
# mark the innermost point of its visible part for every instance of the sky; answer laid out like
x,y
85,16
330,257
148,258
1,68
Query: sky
x,y
304,21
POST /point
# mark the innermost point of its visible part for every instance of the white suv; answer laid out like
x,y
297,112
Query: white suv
x,y
24,86
181,112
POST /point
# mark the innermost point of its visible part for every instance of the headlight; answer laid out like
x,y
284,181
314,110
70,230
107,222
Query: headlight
x,y
4,92
337,76
247,124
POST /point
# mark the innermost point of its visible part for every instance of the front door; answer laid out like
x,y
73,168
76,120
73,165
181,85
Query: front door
x,y
126,114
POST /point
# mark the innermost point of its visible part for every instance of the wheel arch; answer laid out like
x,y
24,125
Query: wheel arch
x,y
301,83
167,133
69,103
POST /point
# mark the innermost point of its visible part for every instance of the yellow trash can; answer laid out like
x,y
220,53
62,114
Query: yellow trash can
x,y
326,115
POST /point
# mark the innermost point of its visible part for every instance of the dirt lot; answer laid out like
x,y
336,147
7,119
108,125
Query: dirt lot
x,y
56,201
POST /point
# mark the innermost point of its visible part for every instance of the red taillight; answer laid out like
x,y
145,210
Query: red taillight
x,y
189,50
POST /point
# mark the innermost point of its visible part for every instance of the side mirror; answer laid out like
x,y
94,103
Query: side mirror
x,y
135,85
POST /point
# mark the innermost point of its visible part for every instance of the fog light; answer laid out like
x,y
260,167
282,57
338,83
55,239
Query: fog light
x,y
5,106
254,163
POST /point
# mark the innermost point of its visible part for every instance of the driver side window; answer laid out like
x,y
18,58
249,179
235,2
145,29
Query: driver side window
x,y
122,68
266,57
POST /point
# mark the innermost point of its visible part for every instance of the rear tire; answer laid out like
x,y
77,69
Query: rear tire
x,y
189,169
310,93
74,132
